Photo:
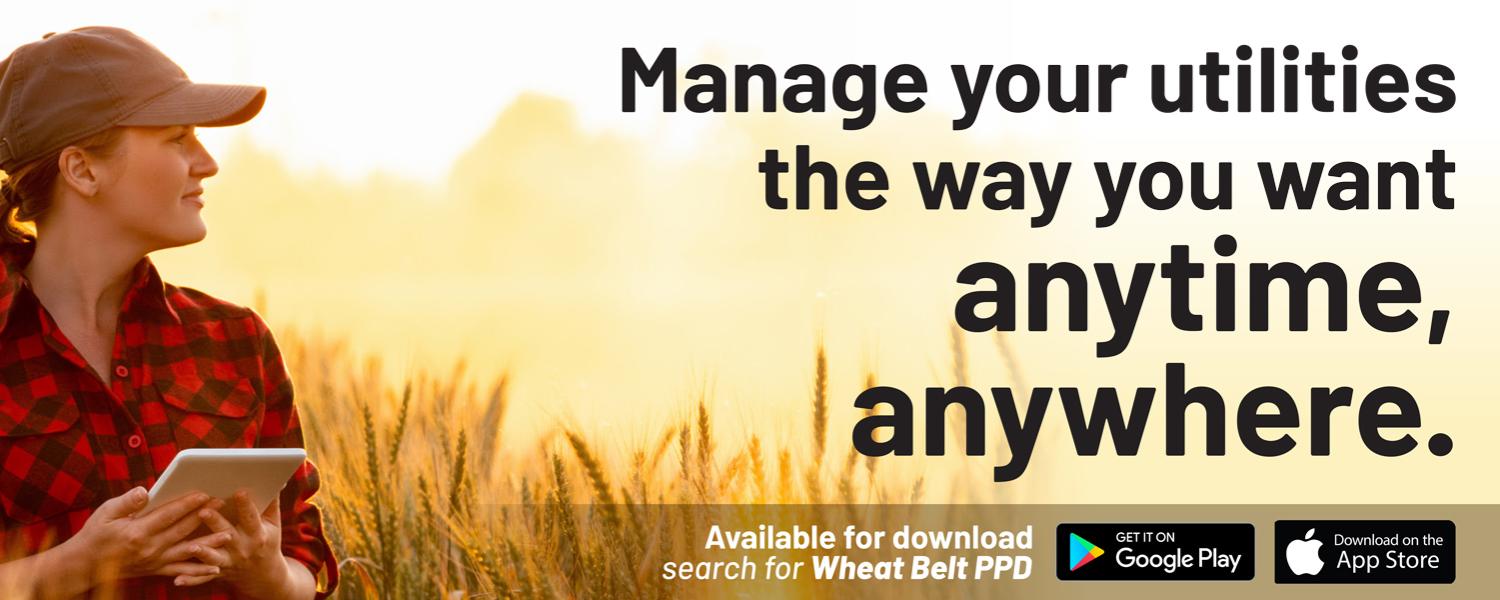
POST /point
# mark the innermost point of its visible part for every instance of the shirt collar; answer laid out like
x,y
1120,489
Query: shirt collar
x,y
146,287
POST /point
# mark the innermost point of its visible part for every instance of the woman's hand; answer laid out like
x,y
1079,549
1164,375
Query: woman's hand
x,y
251,560
116,543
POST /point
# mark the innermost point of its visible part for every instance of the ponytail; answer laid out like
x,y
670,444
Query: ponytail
x,y
13,204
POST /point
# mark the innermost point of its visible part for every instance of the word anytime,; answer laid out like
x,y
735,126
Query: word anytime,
x,y
995,308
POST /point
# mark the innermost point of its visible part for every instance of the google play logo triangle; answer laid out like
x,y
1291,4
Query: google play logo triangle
x,y
1081,551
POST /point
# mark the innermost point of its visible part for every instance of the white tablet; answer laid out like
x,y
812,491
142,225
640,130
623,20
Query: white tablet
x,y
220,472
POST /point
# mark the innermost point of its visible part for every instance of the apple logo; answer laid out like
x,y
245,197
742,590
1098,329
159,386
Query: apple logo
x,y
1302,555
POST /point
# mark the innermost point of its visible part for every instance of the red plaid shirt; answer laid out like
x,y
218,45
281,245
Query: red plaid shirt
x,y
188,371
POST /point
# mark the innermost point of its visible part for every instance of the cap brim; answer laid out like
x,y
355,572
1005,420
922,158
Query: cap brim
x,y
200,104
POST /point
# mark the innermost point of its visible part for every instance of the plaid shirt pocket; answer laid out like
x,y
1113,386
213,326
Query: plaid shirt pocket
x,y
48,464
211,411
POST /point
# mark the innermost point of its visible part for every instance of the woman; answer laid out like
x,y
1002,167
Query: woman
x,y
107,371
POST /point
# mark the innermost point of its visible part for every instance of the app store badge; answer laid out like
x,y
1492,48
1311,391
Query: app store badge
x,y
1366,552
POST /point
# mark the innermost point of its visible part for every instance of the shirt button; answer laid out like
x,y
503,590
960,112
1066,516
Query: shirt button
x,y
122,371
134,441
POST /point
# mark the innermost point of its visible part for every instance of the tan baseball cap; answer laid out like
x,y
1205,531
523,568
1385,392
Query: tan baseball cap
x,y
68,86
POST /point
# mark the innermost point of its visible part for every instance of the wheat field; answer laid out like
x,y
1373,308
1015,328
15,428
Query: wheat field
x,y
417,503
423,500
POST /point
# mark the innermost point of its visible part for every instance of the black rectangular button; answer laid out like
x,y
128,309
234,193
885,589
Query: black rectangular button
x,y
1366,552
1155,551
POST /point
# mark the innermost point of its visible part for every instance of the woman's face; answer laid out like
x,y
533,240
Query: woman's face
x,y
153,184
